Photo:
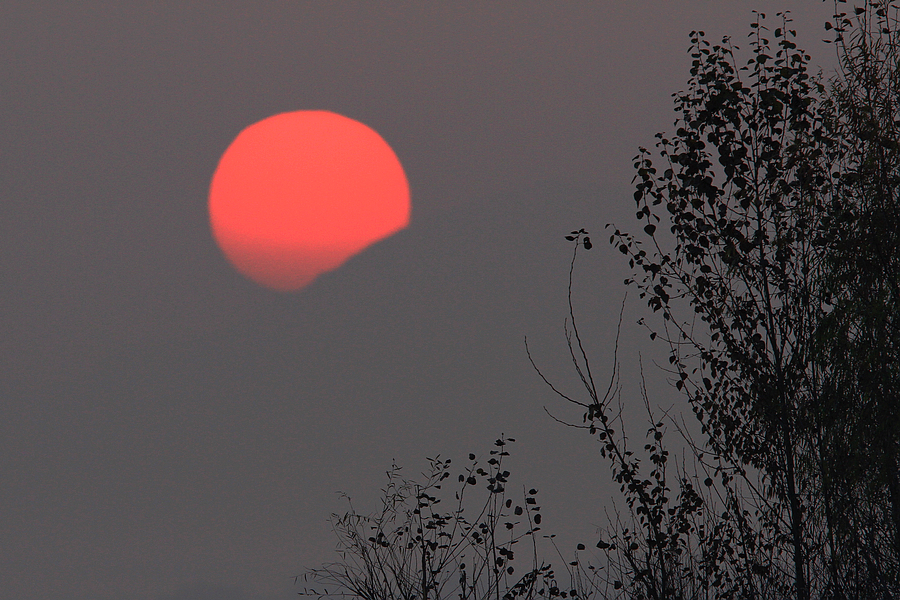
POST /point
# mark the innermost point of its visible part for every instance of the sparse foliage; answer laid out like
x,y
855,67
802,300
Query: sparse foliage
x,y
483,546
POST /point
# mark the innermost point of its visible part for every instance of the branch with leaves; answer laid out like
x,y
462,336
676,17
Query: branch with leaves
x,y
415,549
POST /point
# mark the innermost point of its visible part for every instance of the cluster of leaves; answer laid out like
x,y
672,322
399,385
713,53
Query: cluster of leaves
x,y
858,416
414,549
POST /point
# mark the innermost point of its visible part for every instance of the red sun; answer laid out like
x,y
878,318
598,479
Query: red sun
x,y
297,194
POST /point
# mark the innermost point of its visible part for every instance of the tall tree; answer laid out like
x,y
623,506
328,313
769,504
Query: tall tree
x,y
771,217
743,179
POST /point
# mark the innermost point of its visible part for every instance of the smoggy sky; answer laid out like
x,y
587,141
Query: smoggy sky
x,y
172,431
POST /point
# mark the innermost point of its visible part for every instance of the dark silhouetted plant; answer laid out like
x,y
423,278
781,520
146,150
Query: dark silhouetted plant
x,y
770,249
419,548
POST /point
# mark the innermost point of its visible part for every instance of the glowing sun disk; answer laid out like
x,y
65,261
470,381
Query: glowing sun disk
x,y
297,194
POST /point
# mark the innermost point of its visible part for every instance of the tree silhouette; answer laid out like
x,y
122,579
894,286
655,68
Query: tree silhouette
x,y
770,250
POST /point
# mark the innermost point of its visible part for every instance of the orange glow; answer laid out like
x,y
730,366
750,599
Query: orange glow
x,y
297,194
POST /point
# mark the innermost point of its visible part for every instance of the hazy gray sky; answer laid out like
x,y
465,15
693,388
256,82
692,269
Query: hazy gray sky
x,y
172,431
